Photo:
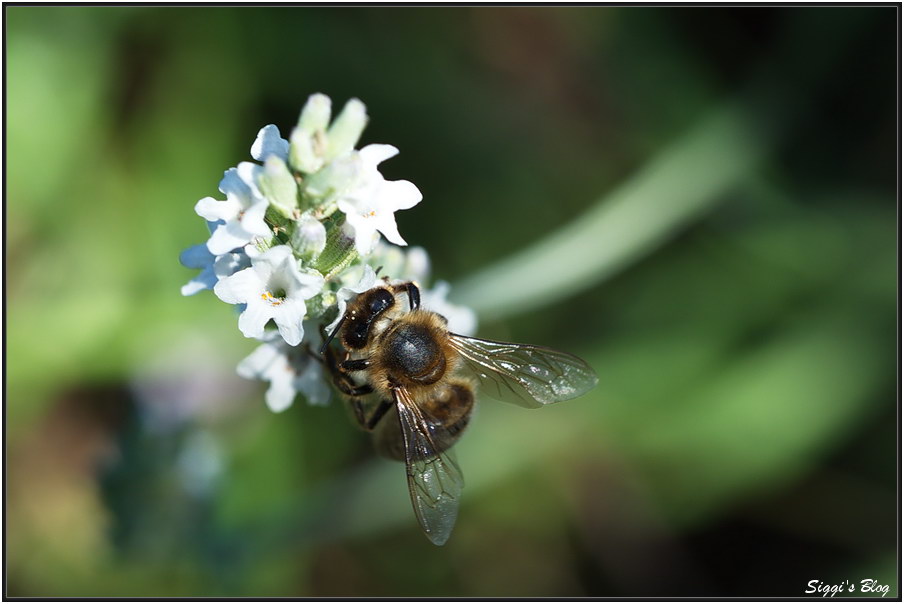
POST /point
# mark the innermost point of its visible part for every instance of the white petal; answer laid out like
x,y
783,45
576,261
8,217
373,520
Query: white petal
x,y
257,364
206,279
341,305
275,255
306,284
387,225
228,237
281,393
249,173
312,384
241,287
365,241
233,184
253,220
367,280
289,317
193,287
229,264
253,319
351,208
212,210
269,142
363,228
251,250
375,154
197,256
399,195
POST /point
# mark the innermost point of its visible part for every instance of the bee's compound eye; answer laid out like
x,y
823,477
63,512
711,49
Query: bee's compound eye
x,y
355,335
379,300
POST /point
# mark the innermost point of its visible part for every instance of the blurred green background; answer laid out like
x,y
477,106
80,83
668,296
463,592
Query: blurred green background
x,y
699,201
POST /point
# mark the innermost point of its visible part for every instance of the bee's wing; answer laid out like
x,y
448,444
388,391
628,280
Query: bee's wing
x,y
434,478
527,375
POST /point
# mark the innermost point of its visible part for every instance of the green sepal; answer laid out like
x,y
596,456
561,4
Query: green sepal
x,y
340,249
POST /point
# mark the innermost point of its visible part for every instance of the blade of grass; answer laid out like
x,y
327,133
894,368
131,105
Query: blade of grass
x,y
673,190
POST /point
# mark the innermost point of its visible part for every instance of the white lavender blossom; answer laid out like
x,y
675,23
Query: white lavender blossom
x,y
273,287
297,237
370,204
289,370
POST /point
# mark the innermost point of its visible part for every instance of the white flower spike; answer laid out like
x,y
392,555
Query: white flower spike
x,y
296,237
273,288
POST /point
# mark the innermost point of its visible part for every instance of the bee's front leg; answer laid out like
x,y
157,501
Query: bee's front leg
x,y
414,294
341,379
354,365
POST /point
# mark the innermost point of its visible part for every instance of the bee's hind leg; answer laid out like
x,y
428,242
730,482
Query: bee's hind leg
x,y
378,414
369,423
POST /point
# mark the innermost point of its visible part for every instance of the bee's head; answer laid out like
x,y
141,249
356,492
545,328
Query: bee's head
x,y
367,308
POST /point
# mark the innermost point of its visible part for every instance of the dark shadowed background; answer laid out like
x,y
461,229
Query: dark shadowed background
x,y
699,201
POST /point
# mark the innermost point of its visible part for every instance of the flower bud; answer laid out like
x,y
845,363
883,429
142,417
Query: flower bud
x,y
316,113
343,135
309,237
278,185
307,144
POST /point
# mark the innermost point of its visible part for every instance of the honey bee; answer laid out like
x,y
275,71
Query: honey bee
x,y
424,377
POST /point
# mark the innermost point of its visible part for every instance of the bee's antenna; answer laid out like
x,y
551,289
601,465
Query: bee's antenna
x,y
332,335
